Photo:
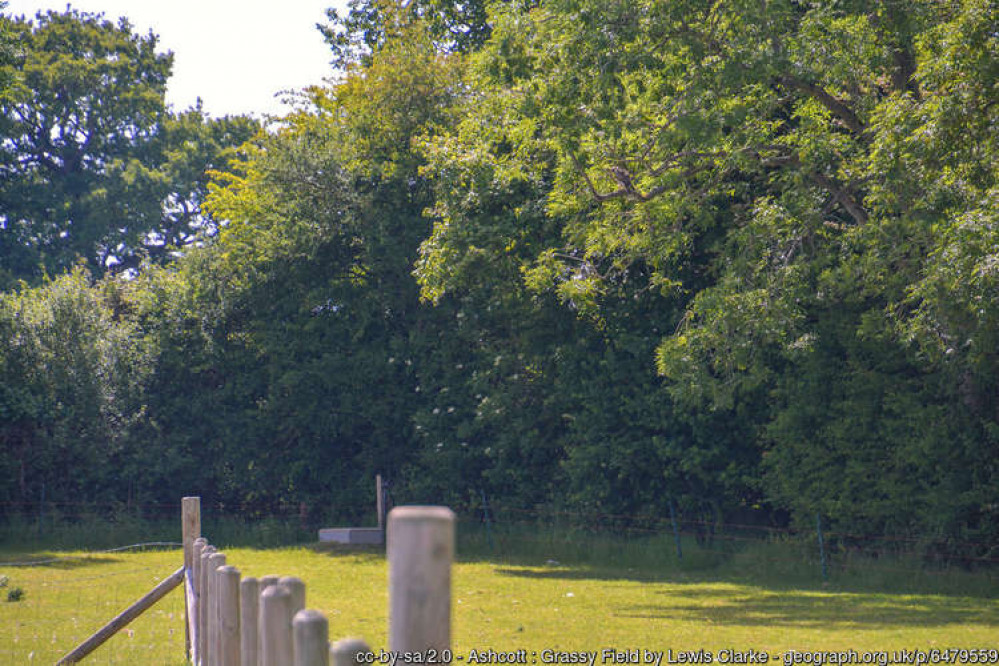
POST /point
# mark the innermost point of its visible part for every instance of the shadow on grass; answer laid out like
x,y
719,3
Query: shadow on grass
x,y
720,599
366,552
761,608
51,560
957,584
582,573
773,566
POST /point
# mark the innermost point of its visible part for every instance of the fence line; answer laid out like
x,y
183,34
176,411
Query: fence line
x,y
721,530
583,516
234,621
586,516
89,555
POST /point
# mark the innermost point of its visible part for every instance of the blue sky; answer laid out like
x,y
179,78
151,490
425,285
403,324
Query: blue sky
x,y
234,54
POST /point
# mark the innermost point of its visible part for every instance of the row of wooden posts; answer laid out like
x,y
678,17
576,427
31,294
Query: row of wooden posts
x,y
234,621
265,622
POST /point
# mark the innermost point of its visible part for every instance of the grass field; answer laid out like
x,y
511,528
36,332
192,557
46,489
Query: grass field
x,y
548,596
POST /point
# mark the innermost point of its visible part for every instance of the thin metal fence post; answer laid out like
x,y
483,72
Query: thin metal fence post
x,y
676,530
822,546
488,520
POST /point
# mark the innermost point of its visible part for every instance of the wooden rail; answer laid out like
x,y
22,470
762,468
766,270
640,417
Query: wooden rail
x,y
123,618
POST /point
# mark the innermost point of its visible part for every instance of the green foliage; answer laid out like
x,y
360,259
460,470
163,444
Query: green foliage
x,y
368,24
8,51
78,122
73,372
94,167
613,256
281,336
792,181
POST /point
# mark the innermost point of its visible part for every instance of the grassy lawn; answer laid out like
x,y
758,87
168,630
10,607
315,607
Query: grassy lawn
x,y
525,602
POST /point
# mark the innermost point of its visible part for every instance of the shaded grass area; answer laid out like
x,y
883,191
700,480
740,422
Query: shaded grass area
x,y
534,590
19,532
775,564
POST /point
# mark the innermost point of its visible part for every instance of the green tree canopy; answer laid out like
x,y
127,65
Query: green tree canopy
x,y
455,27
792,178
91,165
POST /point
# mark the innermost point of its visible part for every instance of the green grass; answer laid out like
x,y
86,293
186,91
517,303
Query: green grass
x,y
64,602
568,591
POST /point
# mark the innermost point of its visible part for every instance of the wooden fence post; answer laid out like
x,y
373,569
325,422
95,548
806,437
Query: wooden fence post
x,y
190,509
190,522
297,589
275,626
215,560
193,596
229,618
345,652
203,598
420,549
311,632
249,590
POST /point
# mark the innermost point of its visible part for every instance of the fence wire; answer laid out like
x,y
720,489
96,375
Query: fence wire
x,y
48,608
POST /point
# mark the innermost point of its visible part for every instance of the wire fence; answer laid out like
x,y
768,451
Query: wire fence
x,y
674,538
276,523
49,605
50,602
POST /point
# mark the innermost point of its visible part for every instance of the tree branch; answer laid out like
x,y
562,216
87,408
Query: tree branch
x,y
841,195
626,188
818,93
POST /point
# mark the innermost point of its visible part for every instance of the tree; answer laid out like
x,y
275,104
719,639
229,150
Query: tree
x,y
455,27
288,335
7,50
765,169
78,124
189,147
73,371
92,166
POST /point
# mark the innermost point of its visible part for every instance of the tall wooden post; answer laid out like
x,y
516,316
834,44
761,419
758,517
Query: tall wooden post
x,y
190,510
822,546
420,549
190,523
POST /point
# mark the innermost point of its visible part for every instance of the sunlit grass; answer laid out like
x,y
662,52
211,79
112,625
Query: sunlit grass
x,y
65,602
533,597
